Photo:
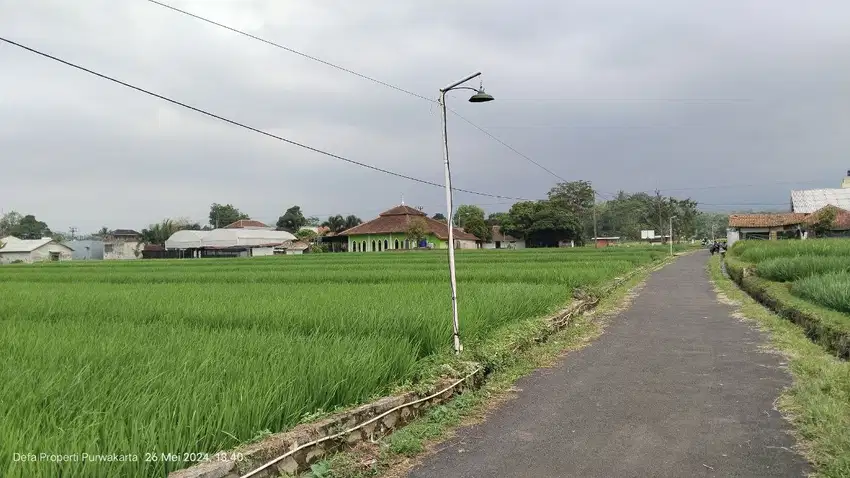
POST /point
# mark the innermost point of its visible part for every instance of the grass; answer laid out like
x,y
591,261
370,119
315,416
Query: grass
x,y
818,269
818,402
790,269
831,290
193,356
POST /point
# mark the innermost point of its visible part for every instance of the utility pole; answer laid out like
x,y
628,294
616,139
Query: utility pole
x,y
671,234
73,232
595,231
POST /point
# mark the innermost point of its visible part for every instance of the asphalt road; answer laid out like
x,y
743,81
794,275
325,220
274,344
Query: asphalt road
x,y
674,387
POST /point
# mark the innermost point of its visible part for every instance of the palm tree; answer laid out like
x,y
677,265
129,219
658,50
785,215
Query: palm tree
x,y
335,223
352,221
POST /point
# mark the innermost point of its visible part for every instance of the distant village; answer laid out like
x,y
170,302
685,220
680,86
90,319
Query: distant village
x,y
813,213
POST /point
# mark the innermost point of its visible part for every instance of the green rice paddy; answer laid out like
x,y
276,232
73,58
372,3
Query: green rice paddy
x,y
155,359
817,270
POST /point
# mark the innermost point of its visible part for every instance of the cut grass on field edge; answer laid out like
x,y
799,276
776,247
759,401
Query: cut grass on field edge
x,y
818,402
395,454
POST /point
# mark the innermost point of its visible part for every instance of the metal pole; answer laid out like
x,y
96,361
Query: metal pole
x,y
671,235
595,232
449,223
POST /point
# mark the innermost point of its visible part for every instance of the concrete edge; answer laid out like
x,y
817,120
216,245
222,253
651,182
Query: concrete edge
x,y
235,463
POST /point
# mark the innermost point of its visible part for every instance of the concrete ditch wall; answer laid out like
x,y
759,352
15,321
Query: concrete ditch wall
x,y
400,410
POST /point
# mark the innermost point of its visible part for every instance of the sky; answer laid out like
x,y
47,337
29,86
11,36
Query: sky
x,y
688,97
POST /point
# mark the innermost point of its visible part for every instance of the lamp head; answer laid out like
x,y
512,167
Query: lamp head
x,y
481,97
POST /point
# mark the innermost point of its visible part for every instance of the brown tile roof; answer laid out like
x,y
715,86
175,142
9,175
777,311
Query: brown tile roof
x,y
842,217
397,220
766,220
243,223
499,236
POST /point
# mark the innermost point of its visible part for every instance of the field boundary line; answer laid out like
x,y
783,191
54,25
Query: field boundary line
x,y
293,451
777,300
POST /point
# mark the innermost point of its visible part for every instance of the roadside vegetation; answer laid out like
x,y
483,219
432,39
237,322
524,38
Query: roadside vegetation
x,y
818,402
197,356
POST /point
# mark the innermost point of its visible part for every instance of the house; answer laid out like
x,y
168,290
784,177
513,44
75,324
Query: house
x,y
248,224
122,244
606,241
389,232
14,250
764,226
85,250
296,248
840,226
503,241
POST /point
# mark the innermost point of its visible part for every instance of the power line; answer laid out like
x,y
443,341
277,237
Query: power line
x,y
352,72
250,128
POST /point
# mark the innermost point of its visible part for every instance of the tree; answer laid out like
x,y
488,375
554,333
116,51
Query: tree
x,y
313,221
467,212
439,217
576,197
496,218
335,223
224,214
351,221
9,221
479,228
824,221
520,219
306,235
30,228
416,230
292,220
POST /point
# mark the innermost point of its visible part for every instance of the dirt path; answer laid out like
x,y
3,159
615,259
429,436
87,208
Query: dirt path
x,y
674,387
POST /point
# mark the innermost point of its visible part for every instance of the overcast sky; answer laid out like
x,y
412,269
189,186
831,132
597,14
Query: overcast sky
x,y
681,96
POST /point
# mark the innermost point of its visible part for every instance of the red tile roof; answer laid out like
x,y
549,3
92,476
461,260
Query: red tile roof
x,y
243,223
842,217
398,219
766,220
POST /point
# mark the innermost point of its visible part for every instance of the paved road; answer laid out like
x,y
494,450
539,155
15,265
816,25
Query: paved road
x,y
674,387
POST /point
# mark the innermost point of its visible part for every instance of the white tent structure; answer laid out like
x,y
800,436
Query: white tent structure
x,y
227,242
222,238
186,240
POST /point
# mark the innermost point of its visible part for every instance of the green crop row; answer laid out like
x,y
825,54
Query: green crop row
x,y
184,356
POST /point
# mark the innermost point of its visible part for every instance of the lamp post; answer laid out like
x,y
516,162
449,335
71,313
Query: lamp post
x,y
671,234
479,97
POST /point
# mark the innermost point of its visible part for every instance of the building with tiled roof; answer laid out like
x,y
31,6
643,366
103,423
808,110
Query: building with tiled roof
x,y
785,225
500,240
389,232
247,224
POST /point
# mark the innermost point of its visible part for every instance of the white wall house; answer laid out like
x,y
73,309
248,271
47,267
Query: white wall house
x,y
35,250
503,241
122,244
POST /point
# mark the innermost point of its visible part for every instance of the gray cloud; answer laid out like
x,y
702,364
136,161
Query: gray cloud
x,y
581,87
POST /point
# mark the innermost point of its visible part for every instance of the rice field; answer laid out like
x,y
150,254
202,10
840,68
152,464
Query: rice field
x,y
155,359
816,270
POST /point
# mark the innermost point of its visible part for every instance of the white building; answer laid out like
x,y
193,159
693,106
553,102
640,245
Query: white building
x,y
122,244
503,241
32,250
229,242
807,201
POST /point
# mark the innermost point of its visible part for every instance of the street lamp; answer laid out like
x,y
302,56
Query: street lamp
x,y
671,234
479,97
